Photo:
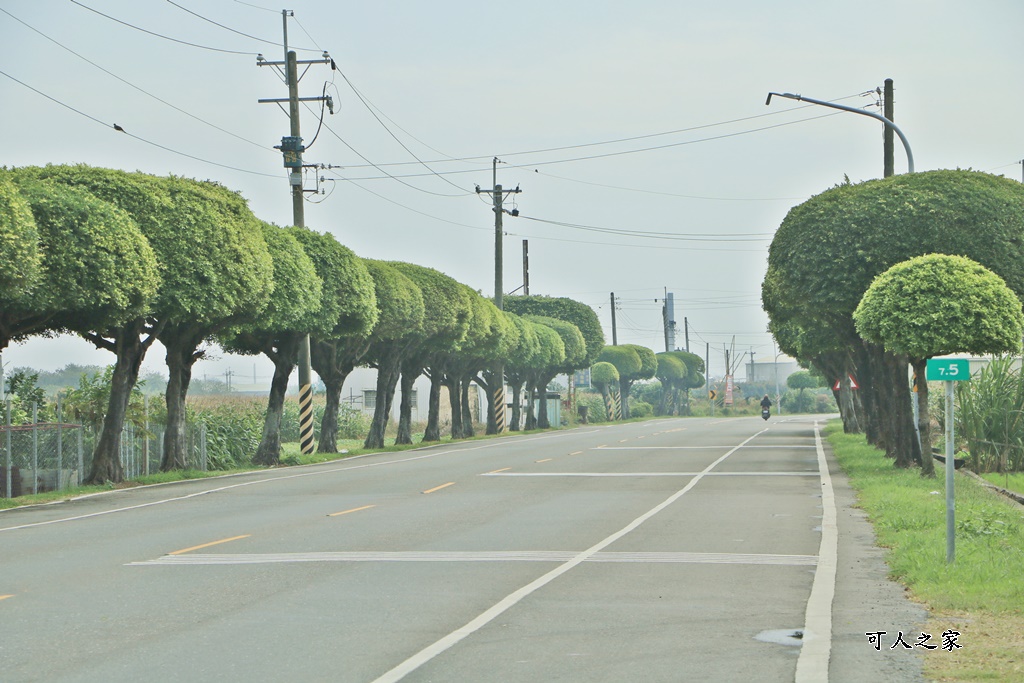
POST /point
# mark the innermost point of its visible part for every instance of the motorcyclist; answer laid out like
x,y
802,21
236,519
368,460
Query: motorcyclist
x,y
766,403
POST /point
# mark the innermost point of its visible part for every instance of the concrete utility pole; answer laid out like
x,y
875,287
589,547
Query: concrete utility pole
x,y
496,378
686,330
292,149
888,143
615,336
526,268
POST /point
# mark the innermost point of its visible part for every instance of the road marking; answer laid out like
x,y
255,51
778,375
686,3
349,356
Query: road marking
x,y
690,448
345,512
623,440
483,556
207,545
438,488
271,479
431,651
503,469
659,474
544,460
4,597
578,452
812,664
601,446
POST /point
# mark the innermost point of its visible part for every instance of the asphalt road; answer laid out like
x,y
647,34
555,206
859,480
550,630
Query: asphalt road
x,y
669,550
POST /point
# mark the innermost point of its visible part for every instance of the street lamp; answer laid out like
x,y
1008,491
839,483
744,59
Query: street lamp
x,y
833,105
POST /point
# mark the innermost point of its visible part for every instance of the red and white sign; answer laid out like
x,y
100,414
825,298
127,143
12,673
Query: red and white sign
x,y
728,390
853,384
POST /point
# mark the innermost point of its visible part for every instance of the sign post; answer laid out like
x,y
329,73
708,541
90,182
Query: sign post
x,y
948,370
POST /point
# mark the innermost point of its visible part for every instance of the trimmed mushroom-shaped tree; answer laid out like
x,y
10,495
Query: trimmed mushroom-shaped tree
x,y
935,305
604,376
671,372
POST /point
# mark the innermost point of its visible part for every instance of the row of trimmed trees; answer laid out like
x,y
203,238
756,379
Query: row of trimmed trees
x,y
833,249
619,367
126,259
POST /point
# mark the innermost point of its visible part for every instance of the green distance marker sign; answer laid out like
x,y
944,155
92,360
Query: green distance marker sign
x,y
948,370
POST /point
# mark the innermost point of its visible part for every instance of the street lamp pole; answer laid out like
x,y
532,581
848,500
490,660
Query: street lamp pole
x,y
854,110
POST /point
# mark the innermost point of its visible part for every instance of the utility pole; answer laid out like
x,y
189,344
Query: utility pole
x,y
292,148
526,267
888,143
664,319
496,377
615,336
686,329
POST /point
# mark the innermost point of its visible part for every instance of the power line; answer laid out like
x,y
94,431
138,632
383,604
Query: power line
x,y
160,35
228,28
132,85
696,237
131,135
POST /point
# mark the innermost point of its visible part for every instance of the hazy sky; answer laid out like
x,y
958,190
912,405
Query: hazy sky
x,y
617,118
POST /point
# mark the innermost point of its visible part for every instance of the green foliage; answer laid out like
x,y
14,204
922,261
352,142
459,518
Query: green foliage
x,y
97,268
446,305
937,304
87,403
349,304
19,242
573,344
603,374
990,417
671,368
648,362
640,409
624,357
830,248
596,412
295,305
803,379
569,310
400,303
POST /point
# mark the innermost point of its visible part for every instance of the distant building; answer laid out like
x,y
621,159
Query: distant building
x,y
772,370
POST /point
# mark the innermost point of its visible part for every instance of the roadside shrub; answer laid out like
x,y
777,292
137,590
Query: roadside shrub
x,y
641,409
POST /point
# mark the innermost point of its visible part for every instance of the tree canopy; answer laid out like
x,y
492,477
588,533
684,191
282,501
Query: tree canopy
x,y
938,304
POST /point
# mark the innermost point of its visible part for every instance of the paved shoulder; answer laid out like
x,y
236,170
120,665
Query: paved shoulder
x,y
867,601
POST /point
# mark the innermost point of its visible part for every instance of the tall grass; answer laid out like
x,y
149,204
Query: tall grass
x,y
990,417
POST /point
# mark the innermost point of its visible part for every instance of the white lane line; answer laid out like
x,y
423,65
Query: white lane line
x,y
207,559
650,474
266,480
428,653
685,448
812,665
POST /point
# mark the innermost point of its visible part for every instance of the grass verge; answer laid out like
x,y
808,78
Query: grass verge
x,y
981,594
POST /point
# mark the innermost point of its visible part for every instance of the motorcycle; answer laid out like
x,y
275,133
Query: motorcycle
x,y
765,413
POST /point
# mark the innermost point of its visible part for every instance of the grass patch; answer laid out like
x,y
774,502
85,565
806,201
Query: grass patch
x,y
1012,482
980,594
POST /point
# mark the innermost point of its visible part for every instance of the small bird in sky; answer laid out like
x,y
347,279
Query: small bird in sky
x,y
117,127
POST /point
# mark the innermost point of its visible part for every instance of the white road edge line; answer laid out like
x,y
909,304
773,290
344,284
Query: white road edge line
x,y
271,479
812,664
431,651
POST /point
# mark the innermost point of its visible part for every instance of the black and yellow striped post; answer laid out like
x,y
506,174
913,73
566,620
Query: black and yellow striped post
x,y
609,406
618,405
306,441
499,408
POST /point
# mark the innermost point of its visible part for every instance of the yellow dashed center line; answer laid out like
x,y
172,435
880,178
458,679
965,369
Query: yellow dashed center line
x,y
544,460
4,597
442,486
207,545
503,469
345,512
623,440
578,452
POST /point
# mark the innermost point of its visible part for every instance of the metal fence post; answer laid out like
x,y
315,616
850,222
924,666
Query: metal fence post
x,y
7,422
145,436
35,447
81,461
60,445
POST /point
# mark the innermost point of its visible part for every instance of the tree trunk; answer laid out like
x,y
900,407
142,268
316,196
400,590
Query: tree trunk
x,y
268,453
387,378
433,428
468,430
404,435
180,359
455,401
542,409
130,350
516,415
493,381
531,396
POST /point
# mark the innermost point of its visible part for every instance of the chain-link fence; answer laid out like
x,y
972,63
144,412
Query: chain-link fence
x,y
37,457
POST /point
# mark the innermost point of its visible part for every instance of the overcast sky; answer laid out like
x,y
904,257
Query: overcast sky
x,y
617,118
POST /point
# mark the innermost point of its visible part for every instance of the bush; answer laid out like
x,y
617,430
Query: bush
x,y
595,406
641,409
